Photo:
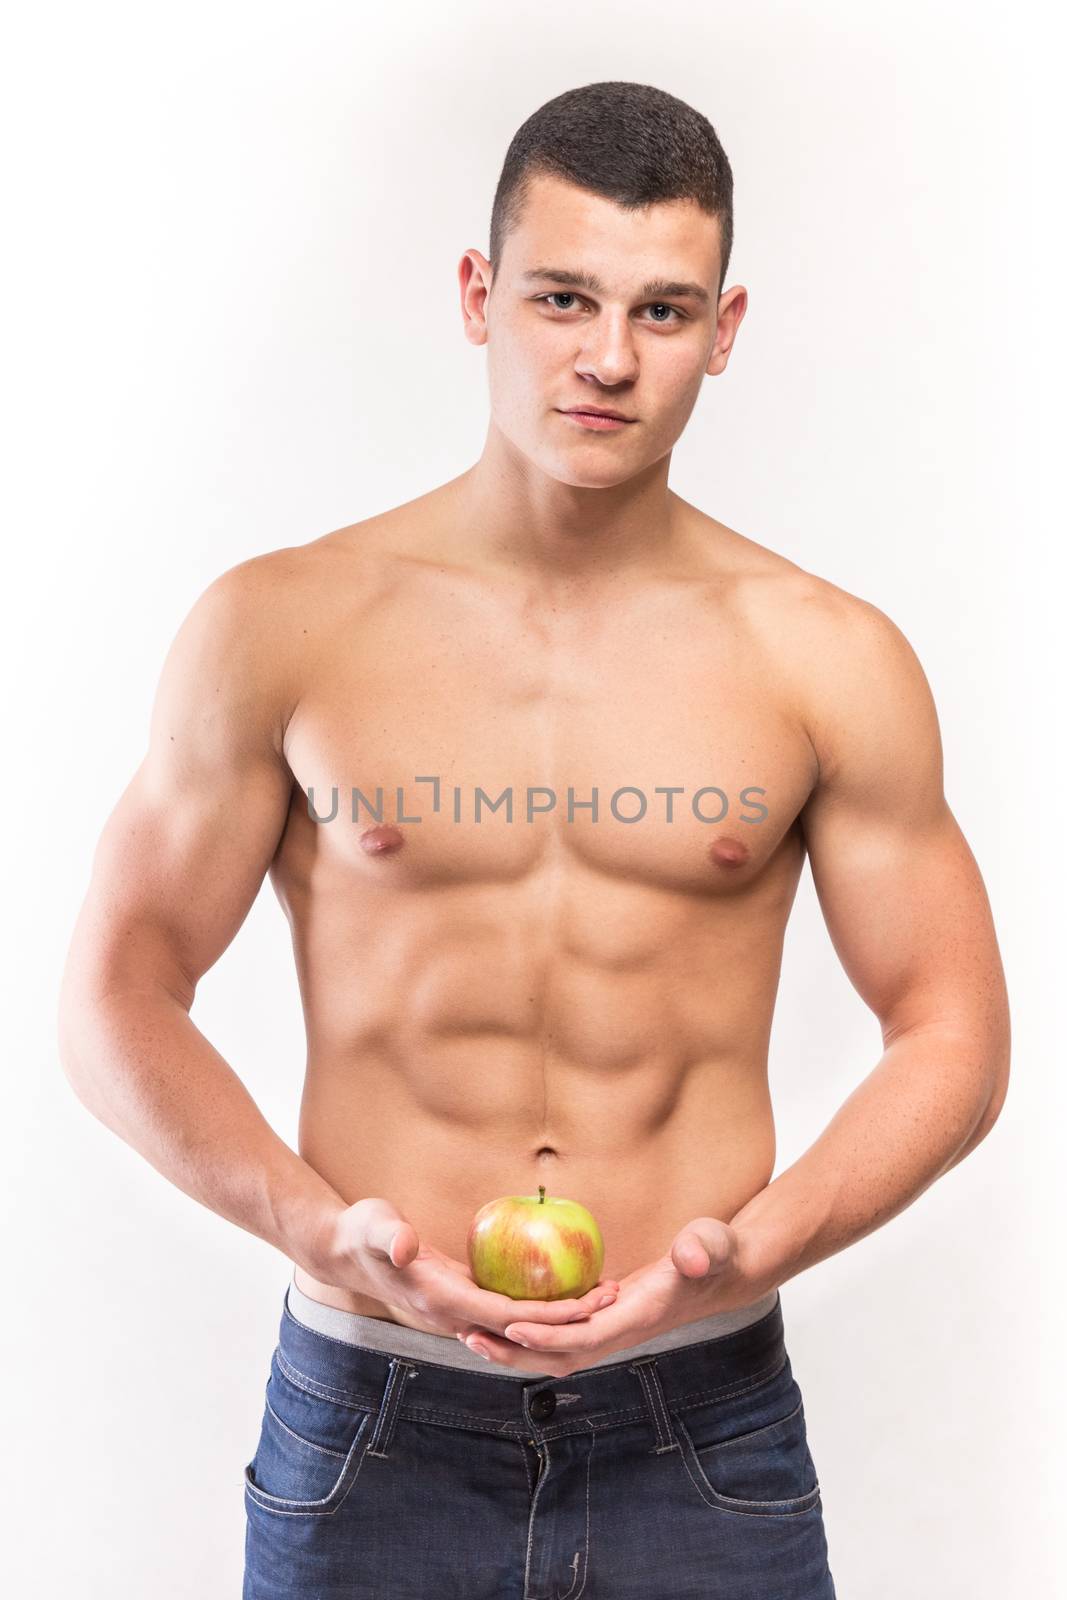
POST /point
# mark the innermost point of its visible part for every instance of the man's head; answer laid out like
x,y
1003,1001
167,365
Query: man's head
x,y
630,143
625,195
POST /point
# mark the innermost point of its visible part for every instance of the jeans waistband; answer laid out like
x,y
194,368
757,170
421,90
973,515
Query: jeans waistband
x,y
375,1333
627,1388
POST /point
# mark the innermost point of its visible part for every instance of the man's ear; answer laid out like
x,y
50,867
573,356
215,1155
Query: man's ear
x,y
475,281
732,307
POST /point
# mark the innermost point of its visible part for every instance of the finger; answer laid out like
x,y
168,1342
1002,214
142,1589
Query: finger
x,y
495,1310
690,1256
404,1245
563,1310
575,1336
703,1246
600,1295
508,1354
392,1238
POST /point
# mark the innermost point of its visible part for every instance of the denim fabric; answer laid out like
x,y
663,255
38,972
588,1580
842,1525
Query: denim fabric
x,y
679,1476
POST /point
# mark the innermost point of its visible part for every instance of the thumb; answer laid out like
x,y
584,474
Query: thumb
x,y
701,1247
390,1236
404,1245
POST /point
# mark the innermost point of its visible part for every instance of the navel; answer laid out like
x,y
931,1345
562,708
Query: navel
x,y
382,840
728,852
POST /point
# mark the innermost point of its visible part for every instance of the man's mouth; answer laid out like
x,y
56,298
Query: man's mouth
x,y
599,419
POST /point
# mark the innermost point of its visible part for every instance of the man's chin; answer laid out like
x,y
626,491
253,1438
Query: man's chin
x,y
578,474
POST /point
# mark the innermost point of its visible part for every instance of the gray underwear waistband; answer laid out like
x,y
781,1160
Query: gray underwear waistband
x,y
393,1338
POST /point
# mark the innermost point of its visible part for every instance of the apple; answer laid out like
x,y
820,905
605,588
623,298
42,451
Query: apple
x,y
530,1248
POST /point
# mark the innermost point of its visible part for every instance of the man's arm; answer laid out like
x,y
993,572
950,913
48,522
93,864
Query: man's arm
x,y
175,872
908,915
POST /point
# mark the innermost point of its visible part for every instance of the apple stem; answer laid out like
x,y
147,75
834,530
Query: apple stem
x,y
540,1194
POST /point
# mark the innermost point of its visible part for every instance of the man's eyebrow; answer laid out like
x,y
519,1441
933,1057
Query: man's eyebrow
x,y
588,280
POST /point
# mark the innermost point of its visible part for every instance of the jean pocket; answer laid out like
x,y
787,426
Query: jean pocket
x,y
311,1446
765,1470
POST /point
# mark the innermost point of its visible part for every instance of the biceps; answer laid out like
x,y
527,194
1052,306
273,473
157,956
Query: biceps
x,y
176,870
908,915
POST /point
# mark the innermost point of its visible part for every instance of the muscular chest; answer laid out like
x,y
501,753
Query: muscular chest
x,y
456,738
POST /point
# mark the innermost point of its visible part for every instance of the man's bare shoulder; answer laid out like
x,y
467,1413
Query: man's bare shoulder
x,y
796,606
263,627
840,658
296,590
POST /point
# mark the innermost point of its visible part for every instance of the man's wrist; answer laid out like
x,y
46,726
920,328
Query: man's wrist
x,y
756,1271
319,1253
305,1210
783,1228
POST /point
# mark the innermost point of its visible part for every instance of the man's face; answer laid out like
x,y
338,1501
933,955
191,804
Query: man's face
x,y
630,342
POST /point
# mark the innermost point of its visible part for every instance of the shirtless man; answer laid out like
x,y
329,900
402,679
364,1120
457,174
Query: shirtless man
x,y
562,995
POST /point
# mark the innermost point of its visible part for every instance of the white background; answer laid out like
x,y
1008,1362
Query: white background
x,y
232,323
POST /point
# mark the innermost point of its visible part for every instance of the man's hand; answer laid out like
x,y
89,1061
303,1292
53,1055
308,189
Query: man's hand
x,y
702,1272
372,1249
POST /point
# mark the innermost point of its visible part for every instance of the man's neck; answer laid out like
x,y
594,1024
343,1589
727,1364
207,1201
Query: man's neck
x,y
516,516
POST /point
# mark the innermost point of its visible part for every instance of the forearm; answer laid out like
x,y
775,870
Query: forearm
x,y
139,1063
928,1102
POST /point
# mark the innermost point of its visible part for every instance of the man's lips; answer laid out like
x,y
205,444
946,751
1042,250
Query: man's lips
x,y
598,418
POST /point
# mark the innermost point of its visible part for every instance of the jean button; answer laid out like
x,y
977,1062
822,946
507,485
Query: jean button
x,y
542,1405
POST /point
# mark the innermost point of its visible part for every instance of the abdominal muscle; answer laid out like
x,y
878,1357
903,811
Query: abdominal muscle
x,y
605,1039
647,1146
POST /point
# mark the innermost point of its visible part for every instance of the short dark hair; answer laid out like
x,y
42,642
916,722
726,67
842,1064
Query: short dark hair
x,y
627,141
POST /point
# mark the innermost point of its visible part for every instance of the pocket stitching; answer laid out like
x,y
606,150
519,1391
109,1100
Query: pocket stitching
x,y
321,1391
326,1504
747,1438
323,1450
761,1379
799,1504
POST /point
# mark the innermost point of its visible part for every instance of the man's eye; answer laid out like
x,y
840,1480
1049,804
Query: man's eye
x,y
657,305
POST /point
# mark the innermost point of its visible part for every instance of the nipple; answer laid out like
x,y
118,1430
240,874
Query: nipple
x,y
728,853
381,841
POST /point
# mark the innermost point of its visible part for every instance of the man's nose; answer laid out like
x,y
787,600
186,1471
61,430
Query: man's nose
x,y
608,352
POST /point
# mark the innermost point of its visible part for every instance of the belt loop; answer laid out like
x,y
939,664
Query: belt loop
x,y
656,1404
385,1423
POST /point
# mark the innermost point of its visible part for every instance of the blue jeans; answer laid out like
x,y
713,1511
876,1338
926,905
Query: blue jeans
x,y
679,1476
